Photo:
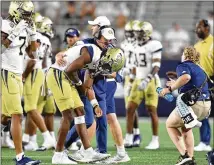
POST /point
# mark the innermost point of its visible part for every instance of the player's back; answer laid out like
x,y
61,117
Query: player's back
x,y
74,52
13,56
145,54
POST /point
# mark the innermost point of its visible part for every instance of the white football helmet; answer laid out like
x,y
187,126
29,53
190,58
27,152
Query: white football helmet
x,y
129,32
21,10
143,31
47,27
38,18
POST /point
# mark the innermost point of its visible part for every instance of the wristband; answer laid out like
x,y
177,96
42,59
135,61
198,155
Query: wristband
x,y
94,103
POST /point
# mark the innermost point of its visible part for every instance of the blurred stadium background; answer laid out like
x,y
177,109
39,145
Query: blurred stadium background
x,y
173,23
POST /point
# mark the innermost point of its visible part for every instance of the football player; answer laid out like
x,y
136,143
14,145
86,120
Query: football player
x,y
18,37
67,97
104,99
128,47
148,56
33,103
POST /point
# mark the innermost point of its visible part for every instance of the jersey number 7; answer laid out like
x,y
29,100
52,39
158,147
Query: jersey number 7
x,y
24,40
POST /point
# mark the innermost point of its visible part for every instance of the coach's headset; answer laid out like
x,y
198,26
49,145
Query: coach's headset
x,y
71,30
98,34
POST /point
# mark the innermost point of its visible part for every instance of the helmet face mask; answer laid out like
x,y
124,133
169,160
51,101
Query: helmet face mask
x,y
47,27
143,31
129,34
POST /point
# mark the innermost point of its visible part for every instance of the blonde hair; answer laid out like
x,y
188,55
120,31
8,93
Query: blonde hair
x,y
191,54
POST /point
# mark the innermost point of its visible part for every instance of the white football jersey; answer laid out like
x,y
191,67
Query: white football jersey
x,y
145,54
74,52
13,56
43,51
128,48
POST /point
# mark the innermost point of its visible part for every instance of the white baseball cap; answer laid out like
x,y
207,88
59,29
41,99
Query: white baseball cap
x,y
108,33
101,21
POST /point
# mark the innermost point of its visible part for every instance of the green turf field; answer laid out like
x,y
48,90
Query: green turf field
x,y
166,155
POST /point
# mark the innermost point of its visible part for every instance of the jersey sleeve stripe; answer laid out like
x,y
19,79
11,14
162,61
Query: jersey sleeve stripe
x,y
157,50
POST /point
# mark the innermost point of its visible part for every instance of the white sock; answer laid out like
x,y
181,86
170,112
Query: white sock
x,y
5,135
33,138
19,156
58,153
129,138
25,138
154,138
136,131
46,135
121,150
53,135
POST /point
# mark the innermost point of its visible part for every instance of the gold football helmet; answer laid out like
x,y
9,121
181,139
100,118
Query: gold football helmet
x,y
21,10
47,27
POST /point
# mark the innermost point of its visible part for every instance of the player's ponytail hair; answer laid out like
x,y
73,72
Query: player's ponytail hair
x,y
191,54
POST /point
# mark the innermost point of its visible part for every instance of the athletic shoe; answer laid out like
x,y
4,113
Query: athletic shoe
x,y
128,144
73,147
48,144
91,156
62,158
116,159
184,160
210,157
31,146
7,142
136,140
153,145
27,161
202,147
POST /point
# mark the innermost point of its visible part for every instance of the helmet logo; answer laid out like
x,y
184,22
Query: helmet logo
x,y
110,32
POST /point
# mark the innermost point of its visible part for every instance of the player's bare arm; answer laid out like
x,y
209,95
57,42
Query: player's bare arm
x,y
30,65
88,82
4,40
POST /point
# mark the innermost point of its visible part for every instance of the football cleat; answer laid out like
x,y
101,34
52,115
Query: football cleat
x,y
153,145
31,146
83,156
27,161
62,158
136,140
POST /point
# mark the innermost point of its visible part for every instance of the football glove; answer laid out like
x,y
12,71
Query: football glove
x,y
17,30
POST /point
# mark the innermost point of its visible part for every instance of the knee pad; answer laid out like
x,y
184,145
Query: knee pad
x,y
79,120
